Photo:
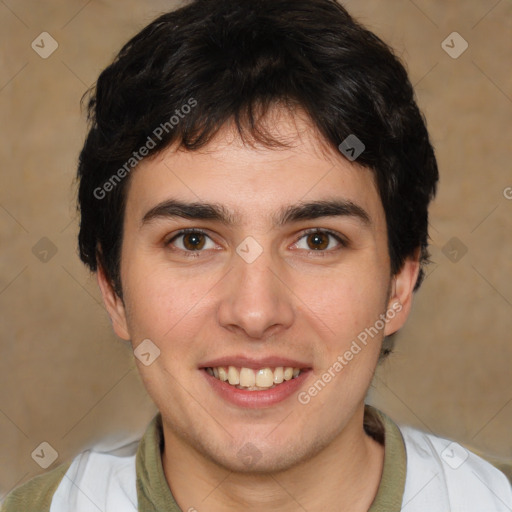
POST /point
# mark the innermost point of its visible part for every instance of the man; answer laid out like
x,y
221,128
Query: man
x,y
254,194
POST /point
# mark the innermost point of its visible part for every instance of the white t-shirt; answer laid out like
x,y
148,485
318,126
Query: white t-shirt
x,y
422,473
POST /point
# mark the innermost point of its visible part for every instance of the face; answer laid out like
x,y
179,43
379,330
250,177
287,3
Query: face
x,y
256,265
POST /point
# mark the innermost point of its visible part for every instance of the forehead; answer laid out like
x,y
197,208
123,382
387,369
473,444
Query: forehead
x,y
247,177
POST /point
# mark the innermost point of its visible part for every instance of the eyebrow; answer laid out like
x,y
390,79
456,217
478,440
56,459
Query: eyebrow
x,y
217,212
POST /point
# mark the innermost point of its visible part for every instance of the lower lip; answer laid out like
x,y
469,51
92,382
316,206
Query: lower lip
x,y
256,399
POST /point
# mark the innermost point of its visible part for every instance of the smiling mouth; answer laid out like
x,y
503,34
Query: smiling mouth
x,y
254,380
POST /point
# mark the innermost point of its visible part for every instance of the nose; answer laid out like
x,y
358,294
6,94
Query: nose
x,y
256,299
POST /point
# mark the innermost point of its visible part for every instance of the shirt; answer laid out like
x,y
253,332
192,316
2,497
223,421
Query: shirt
x,y
421,472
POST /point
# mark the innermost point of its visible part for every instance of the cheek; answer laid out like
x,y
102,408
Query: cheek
x,y
161,304
343,302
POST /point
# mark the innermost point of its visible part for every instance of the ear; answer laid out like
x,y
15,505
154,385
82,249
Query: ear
x,y
400,300
114,305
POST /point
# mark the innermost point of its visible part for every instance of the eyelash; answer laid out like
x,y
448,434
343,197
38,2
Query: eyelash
x,y
342,241
318,253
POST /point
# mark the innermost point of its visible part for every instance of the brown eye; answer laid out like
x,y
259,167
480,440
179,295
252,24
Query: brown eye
x,y
191,241
321,241
194,241
318,241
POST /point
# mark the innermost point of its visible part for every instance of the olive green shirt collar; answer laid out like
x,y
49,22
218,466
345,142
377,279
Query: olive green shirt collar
x,y
154,494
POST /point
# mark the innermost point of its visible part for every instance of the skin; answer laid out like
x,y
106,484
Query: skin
x,y
292,301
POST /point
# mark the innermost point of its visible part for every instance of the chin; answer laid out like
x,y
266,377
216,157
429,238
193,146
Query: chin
x,y
258,456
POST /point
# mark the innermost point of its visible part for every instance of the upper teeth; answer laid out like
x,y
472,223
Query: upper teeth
x,y
248,378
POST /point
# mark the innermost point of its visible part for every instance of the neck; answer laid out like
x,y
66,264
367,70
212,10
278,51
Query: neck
x,y
344,475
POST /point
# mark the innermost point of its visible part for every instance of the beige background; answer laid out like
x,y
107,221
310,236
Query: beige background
x,y
66,380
